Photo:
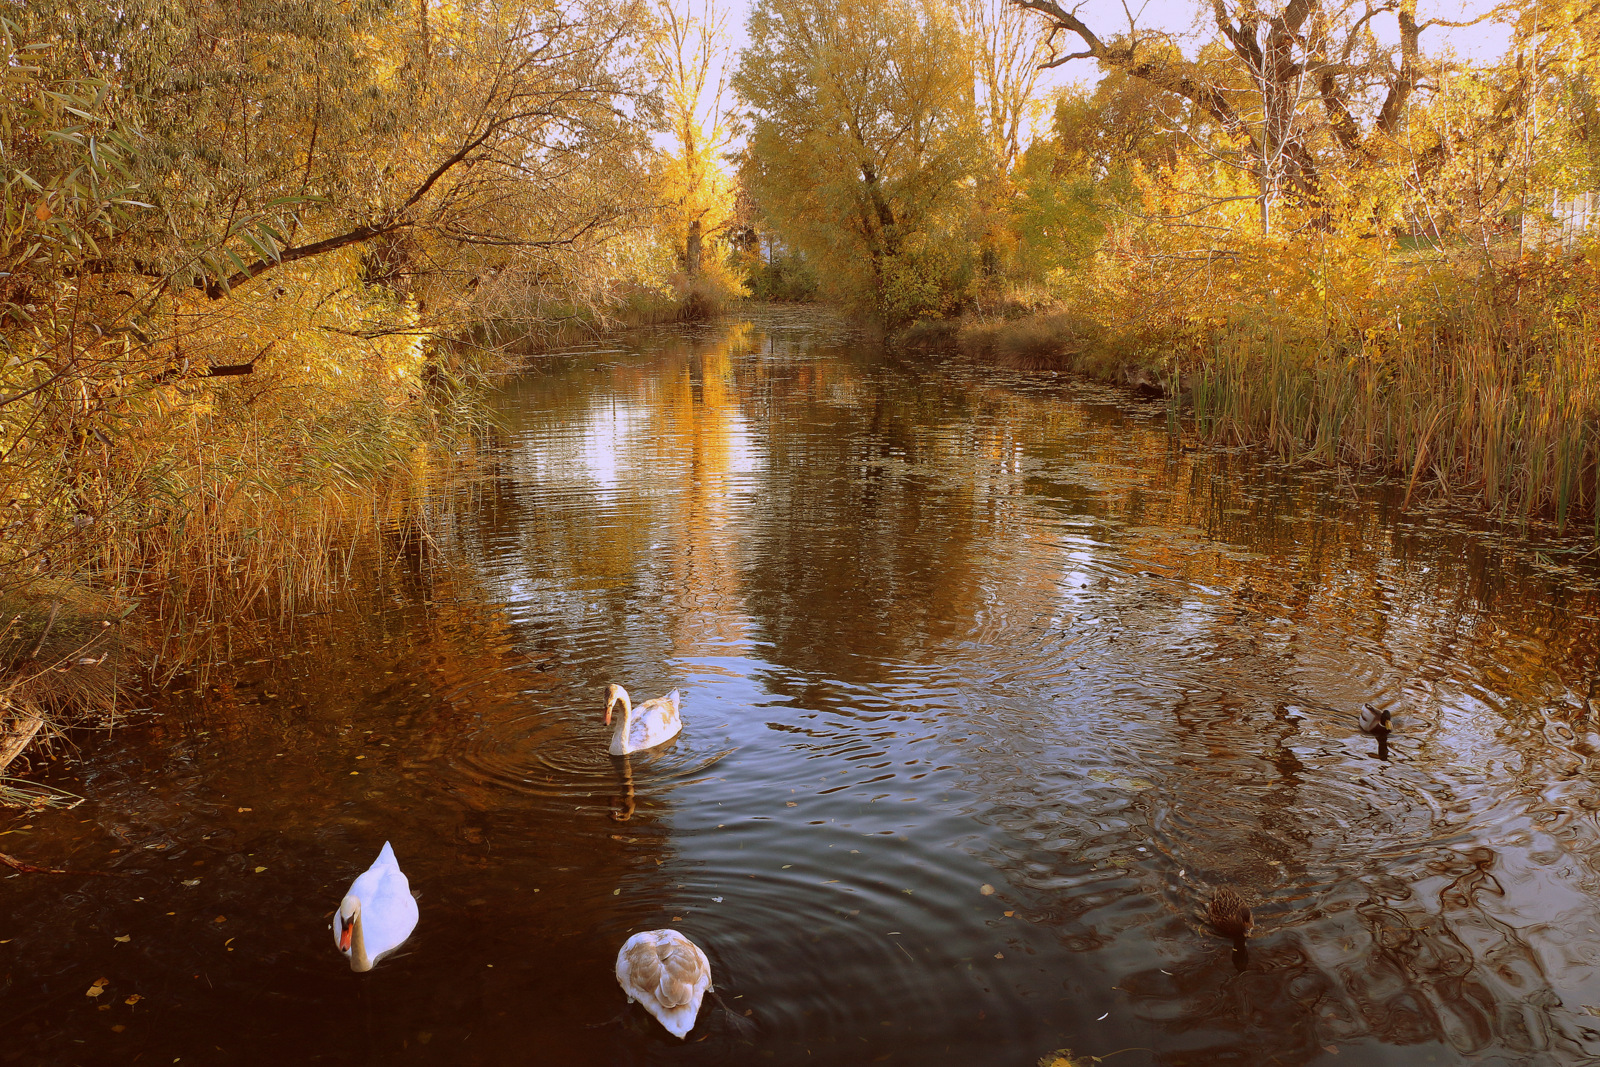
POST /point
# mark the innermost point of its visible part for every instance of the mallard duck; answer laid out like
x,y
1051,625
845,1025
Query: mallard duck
x,y
377,914
1373,720
668,974
643,727
1230,915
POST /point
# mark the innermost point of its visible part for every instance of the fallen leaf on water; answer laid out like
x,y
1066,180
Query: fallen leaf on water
x,y
192,881
1009,914
132,998
1102,1018
125,938
789,803
677,918
247,809
616,892
1331,1049
260,869
986,889
999,955
98,987
786,866
117,1029
220,919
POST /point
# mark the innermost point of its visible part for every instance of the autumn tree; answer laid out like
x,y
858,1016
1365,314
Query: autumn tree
x,y
1300,87
265,222
689,56
862,142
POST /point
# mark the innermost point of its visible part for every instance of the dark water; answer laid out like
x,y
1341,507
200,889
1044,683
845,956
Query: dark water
x,y
988,686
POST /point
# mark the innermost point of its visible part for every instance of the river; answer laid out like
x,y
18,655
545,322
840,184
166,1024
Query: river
x,y
989,682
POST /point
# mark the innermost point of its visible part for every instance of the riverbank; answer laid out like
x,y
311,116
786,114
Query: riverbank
x,y
1476,381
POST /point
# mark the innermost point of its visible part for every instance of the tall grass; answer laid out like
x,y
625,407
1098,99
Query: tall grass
x,y
1468,403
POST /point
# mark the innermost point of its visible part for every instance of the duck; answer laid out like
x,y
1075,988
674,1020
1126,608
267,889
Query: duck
x,y
1230,915
1373,720
650,724
377,914
668,974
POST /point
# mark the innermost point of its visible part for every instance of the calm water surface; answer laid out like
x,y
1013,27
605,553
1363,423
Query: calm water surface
x,y
988,686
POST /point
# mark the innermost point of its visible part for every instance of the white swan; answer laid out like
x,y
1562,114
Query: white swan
x,y
377,914
646,726
668,974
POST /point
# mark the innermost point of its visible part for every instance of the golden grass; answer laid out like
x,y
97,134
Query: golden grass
x,y
1463,408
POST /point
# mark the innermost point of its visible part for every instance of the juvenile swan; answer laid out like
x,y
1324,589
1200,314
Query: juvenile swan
x,y
646,726
668,974
377,914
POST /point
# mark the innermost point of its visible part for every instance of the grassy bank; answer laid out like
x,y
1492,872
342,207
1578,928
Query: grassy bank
x,y
1470,378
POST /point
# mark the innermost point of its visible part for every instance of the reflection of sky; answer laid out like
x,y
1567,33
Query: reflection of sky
x,y
612,448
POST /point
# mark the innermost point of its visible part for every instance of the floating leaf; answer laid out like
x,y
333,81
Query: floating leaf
x,y
986,889
125,938
97,988
132,999
260,869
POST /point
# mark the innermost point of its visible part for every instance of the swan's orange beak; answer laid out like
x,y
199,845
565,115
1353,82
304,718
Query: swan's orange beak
x,y
344,938
609,703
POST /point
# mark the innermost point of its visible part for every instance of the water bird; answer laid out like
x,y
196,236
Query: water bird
x,y
377,914
648,725
1373,720
1230,915
668,974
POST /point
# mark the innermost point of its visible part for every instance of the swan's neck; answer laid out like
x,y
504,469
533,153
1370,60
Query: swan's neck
x,y
359,961
624,723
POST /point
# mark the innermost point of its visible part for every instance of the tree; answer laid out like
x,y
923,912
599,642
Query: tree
x,y
687,52
862,141
1299,86
259,222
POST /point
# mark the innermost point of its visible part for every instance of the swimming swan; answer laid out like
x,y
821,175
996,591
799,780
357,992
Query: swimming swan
x,y
668,974
377,914
649,725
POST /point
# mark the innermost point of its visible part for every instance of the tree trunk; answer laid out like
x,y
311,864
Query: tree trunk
x,y
691,250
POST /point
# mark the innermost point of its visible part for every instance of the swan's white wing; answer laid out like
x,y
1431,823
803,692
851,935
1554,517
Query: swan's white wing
x,y
388,910
668,974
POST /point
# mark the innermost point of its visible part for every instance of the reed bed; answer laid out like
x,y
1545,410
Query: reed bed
x,y
1473,406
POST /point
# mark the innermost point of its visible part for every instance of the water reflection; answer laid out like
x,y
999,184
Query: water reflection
x,y
989,686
